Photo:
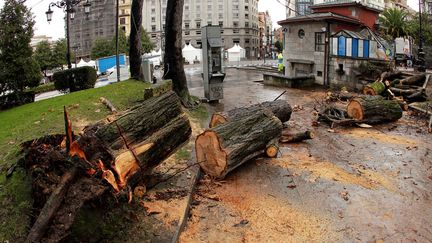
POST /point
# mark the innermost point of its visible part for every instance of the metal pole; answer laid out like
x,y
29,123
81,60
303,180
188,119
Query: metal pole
x,y
421,64
116,41
68,8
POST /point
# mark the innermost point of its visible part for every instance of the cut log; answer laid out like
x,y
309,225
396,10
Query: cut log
x,y
404,92
143,137
296,137
390,75
221,149
280,108
158,89
374,88
108,104
412,80
272,149
374,109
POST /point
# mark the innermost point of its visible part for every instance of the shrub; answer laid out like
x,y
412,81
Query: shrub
x,y
43,88
16,99
75,79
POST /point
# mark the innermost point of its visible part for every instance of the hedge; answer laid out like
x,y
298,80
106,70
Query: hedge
x,y
75,79
16,99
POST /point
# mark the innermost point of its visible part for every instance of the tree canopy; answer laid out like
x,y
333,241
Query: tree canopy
x,y
106,47
18,69
394,23
413,28
59,51
43,56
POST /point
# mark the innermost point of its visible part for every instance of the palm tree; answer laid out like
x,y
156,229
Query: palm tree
x,y
394,23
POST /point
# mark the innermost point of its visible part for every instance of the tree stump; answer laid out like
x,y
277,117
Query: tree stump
x,y
223,148
374,109
280,108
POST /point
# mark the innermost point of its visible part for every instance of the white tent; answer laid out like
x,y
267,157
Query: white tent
x,y
191,54
236,53
83,63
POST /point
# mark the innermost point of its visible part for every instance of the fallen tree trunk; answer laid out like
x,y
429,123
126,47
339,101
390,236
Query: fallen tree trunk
x,y
221,149
374,109
296,137
404,92
280,108
412,80
389,75
117,152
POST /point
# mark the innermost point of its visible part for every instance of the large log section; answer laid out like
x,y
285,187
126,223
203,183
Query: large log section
x,y
374,109
280,108
221,149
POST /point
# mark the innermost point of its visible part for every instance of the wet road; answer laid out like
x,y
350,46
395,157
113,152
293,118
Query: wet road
x,y
346,185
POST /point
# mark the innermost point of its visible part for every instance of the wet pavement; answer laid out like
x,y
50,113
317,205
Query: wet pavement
x,y
347,184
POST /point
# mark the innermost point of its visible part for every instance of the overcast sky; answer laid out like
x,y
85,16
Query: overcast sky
x,y
56,28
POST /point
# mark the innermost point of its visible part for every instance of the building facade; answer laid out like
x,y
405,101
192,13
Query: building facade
x,y
86,28
35,40
124,15
238,20
265,33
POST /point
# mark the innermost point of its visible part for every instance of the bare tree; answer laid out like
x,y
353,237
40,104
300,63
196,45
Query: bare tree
x,y
173,59
135,40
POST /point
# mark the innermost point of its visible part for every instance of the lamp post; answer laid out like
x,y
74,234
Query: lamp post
x,y
421,55
68,7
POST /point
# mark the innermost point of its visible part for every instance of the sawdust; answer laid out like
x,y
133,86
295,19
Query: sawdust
x,y
167,211
325,170
248,214
378,136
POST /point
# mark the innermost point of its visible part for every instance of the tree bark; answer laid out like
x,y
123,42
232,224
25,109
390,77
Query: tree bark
x,y
223,148
296,137
135,40
173,59
280,108
413,80
390,76
374,109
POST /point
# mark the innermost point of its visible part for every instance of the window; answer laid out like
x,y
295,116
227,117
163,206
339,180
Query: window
x,y
301,33
186,7
221,31
235,31
319,73
220,23
153,19
319,41
198,15
199,44
236,40
153,35
246,8
153,2
235,24
246,16
153,11
123,12
122,21
198,8
209,7
153,27
198,25
220,7
236,7
186,25
247,41
246,24
246,31
209,15
235,15
198,32
187,32
302,7
220,16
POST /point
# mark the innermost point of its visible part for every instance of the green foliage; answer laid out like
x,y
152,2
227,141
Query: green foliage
x,y
18,69
146,44
278,46
43,88
394,23
102,47
43,56
75,79
413,28
59,50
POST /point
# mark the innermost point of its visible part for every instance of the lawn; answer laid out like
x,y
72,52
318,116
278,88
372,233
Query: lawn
x,y
46,117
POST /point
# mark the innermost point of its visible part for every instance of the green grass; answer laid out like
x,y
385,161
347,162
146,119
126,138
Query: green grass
x,y
183,154
200,113
46,117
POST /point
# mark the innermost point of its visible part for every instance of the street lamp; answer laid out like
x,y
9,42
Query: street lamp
x,y
420,56
68,7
